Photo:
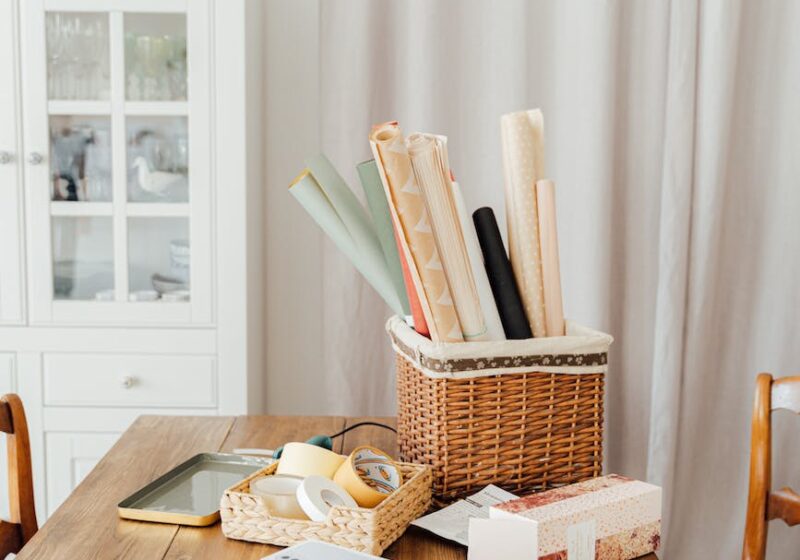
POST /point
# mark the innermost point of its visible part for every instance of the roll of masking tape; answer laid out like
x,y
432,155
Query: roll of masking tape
x,y
369,475
302,459
317,495
280,495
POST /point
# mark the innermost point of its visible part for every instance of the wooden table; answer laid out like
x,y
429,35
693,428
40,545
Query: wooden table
x,y
86,525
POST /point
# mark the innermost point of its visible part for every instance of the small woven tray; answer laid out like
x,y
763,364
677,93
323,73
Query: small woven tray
x,y
246,517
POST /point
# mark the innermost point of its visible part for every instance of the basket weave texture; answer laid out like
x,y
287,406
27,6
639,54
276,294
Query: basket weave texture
x,y
246,517
524,432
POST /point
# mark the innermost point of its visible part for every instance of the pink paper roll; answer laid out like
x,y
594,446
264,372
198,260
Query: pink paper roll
x,y
548,246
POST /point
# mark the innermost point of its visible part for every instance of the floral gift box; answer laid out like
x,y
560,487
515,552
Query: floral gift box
x,y
606,518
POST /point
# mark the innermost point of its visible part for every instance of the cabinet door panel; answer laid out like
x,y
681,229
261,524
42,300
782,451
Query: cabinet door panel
x,y
70,457
10,179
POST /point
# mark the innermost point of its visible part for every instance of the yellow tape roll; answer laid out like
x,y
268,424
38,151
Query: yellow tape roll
x,y
369,475
302,459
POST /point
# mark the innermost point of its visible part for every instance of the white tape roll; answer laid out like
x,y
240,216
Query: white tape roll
x,y
317,495
280,495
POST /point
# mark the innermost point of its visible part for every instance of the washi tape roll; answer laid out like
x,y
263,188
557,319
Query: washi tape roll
x,y
302,459
280,495
369,475
317,495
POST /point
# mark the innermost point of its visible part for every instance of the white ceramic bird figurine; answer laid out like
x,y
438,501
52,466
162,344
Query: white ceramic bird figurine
x,y
156,182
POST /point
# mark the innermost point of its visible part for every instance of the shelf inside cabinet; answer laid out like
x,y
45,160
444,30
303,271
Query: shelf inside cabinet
x,y
80,208
65,107
157,108
157,209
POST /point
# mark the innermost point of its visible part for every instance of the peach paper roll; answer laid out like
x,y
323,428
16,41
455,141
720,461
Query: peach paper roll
x,y
523,165
406,199
548,244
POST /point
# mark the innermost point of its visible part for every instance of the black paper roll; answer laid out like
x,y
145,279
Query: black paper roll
x,y
501,277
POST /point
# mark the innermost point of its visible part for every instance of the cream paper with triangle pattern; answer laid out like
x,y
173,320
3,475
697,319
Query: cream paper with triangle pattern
x,y
407,199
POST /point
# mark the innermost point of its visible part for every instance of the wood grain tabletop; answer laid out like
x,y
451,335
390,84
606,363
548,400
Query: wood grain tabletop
x,y
86,525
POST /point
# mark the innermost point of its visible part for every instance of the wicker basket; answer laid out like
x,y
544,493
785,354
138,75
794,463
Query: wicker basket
x,y
246,517
524,415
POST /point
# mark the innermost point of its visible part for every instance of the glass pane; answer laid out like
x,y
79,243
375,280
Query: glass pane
x,y
158,253
80,161
83,258
158,159
77,55
155,57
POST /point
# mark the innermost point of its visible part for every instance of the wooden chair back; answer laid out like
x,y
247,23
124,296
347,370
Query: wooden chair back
x,y
764,505
22,525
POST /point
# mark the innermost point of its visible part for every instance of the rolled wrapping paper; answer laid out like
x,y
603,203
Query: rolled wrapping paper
x,y
548,241
523,165
303,459
382,220
428,155
494,327
369,476
412,216
417,299
332,211
501,277
280,495
317,495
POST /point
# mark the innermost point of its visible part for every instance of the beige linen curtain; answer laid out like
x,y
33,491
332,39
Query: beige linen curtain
x,y
672,131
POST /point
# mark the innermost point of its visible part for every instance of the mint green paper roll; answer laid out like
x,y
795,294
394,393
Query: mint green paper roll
x,y
334,213
379,209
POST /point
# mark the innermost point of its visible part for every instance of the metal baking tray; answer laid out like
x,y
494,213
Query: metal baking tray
x,y
190,493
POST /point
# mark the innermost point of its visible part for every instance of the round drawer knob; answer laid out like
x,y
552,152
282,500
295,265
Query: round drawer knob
x,y
128,381
6,158
35,158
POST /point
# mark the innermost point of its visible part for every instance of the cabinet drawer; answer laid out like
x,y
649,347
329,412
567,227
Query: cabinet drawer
x,y
129,380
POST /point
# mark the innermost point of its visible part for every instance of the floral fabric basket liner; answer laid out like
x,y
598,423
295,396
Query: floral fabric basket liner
x,y
582,350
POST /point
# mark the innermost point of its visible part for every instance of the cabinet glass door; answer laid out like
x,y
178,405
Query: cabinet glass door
x,y
118,164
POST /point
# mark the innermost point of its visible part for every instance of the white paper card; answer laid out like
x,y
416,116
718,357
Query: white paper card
x,y
313,550
581,540
509,539
452,522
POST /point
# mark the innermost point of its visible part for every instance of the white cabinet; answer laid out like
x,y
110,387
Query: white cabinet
x,y
130,254
11,300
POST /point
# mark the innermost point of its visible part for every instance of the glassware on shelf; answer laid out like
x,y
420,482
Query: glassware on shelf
x,y
158,159
159,258
80,162
78,64
155,57
83,257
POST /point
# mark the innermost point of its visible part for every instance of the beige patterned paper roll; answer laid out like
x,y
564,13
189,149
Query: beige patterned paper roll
x,y
407,199
428,155
523,165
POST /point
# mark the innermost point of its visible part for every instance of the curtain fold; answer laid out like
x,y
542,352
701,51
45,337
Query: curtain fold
x,y
671,132
677,185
